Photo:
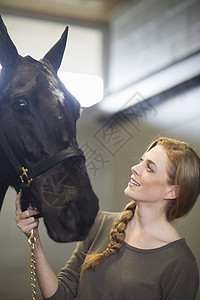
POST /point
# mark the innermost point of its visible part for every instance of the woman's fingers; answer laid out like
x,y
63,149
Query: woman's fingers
x,y
26,225
17,204
30,212
25,220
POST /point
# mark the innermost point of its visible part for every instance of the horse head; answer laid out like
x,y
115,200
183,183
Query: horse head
x,y
38,118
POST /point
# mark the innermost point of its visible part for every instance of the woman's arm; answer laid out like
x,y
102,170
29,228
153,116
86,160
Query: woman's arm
x,y
65,285
47,280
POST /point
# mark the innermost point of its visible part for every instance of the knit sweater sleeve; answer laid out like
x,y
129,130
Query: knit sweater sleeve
x,y
68,277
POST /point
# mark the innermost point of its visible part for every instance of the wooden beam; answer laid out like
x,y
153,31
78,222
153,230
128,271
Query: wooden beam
x,y
55,10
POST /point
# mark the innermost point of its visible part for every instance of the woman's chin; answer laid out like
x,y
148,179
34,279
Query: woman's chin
x,y
127,191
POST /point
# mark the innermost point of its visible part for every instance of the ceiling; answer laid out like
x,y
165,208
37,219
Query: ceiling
x,y
98,12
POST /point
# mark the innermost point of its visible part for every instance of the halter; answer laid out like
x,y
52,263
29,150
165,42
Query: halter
x,y
26,176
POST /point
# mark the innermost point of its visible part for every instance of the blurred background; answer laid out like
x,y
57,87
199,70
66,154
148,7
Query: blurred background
x,y
135,68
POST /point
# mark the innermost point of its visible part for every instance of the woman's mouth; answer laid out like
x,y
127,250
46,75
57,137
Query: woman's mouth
x,y
133,182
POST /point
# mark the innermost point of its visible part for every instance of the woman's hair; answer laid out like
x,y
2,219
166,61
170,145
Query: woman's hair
x,y
117,236
183,172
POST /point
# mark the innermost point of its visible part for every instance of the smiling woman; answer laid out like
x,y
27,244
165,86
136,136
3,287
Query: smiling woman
x,y
163,186
143,257
183,170
150,178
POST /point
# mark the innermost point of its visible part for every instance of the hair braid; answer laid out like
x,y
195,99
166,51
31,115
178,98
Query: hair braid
x,y
117,236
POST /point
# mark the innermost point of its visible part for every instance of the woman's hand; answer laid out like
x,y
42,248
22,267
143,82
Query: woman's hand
x,y
47,280
25,220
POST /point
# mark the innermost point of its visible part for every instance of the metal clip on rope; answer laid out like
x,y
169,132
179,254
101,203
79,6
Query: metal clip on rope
x,y
33,281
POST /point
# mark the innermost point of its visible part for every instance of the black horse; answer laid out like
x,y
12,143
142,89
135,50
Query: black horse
x,y
38,149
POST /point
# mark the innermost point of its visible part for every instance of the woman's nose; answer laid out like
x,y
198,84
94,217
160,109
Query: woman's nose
x,y
134,170
137,169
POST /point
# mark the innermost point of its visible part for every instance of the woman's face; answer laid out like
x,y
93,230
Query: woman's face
x,y
149,179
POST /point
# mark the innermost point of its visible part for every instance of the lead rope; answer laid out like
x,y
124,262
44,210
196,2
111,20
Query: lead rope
x,y
33,281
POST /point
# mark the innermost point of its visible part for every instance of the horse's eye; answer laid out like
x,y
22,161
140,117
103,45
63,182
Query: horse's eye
x,y
20,105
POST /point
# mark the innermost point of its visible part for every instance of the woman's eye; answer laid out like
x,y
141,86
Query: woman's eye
x,y
149,168
20,106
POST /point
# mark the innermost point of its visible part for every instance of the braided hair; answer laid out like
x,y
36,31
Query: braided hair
x,y
117,236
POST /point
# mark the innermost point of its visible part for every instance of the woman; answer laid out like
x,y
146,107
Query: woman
x,y
145,258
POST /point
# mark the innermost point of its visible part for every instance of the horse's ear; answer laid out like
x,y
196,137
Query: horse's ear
x,y
3,190
8,51
55,54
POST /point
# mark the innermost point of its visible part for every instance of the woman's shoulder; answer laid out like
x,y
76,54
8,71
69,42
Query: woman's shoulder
x,y
178,252
99,233
103,223
104,216
183,250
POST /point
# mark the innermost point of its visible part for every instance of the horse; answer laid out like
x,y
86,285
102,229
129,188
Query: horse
x,y
39,152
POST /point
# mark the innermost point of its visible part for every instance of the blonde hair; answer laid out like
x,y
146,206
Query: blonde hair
x,y
183,171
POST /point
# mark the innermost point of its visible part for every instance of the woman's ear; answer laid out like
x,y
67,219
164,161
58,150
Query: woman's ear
x,y
172,192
